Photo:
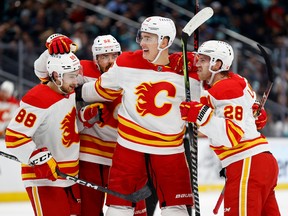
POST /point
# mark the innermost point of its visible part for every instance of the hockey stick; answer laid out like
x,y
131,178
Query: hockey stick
x,y
196,33
194,138
270,73
192,154
219,201
133,197
266,93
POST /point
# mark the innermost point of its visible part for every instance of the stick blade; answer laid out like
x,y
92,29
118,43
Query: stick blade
x,y
270,70
199,18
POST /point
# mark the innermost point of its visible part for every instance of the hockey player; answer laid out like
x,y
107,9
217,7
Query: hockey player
x,y
44,136
226,117
150,128
97,138
8,104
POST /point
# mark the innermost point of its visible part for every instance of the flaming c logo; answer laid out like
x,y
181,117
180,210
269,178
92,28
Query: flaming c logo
x,y
69,134
147,96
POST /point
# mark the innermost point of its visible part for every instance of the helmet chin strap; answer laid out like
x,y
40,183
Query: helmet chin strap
x,y
159,53
212,63
213,75
59,86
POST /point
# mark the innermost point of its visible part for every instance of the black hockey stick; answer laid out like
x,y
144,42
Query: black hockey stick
x,y
270,73
134,197
191,151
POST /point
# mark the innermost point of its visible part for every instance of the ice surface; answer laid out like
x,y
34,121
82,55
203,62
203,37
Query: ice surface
x,y
207,203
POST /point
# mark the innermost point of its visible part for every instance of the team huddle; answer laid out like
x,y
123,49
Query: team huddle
x,y
119,121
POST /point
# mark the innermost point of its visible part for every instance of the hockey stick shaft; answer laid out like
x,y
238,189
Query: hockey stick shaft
x,y
134,197
219,201
196,33
191,151
270,73
194,152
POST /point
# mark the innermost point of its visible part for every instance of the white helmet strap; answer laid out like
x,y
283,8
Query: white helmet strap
x,y
212,63
60,85
160,51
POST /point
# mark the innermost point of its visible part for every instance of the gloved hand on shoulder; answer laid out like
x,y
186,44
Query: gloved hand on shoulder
x,y
177,63
60,44
44,164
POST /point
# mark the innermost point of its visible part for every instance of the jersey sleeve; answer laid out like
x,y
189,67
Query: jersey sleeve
x,y
21,129
40,68
106,88
222,132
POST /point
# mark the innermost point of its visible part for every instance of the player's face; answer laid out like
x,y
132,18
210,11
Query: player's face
x,y
69,81
105,61
149,45
202,65
4,95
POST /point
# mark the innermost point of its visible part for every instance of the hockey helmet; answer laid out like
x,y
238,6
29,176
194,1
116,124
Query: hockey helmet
x,y
105,44
7,87
62,63
218,50
161,26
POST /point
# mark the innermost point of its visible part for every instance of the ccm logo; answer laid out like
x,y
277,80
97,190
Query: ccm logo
x,y
42,158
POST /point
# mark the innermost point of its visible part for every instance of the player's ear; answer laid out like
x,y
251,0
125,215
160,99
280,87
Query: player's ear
x,y
218,64
164,42
55,76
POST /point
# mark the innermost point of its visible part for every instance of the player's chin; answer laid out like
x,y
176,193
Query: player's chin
x,y
148,57
71,89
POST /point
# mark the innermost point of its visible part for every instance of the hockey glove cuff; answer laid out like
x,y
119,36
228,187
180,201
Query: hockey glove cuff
x,y
195,112
44,164
92,113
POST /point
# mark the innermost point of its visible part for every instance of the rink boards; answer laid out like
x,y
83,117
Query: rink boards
x,y
12,189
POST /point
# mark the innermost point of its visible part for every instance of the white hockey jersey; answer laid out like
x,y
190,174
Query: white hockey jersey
x,y
45,119
149,116
231,129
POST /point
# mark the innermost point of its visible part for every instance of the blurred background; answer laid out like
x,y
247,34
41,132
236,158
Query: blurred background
x,y
25,25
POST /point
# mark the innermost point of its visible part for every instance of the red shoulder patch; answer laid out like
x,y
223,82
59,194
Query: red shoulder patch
x,y
135,60
42,96
90,69
229,88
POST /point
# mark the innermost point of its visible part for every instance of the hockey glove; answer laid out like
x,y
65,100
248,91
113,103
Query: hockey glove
x,y
261,119
60,44
195,112
92,113
44,164
177,64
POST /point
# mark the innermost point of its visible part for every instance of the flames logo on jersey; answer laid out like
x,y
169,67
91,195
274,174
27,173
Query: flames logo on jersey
x,y
147,98
70,133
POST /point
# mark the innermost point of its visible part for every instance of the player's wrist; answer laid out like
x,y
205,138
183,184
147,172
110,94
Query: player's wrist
x,y
204,115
